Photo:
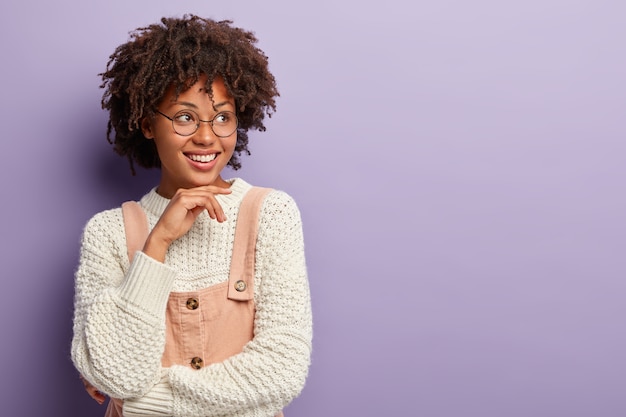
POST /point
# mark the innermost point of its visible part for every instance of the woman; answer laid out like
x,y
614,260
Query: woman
x,y
166,322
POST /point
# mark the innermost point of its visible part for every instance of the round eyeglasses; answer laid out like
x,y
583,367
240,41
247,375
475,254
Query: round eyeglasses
x,y
187,122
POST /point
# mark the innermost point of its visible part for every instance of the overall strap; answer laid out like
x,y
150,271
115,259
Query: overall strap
x,y
135,226
241,280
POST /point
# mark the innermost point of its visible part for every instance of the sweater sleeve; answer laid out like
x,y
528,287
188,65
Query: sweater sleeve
x,y
272,368
119,311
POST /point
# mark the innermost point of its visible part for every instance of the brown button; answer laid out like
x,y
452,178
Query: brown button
x,y
192,303
197,363
240,285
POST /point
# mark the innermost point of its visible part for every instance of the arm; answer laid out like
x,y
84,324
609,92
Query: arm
x,y
118,328
272,368
119,315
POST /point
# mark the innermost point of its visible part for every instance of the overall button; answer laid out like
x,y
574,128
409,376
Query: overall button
x,y
197,363
192,303
240,285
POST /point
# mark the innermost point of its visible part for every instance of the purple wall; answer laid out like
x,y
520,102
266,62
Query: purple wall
x,y
460,168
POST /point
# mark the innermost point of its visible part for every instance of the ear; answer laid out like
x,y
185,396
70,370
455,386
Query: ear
x,y
146,128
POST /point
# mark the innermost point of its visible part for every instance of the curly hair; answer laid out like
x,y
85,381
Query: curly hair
x,y
177,52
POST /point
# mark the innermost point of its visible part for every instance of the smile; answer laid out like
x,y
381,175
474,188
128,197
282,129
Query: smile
x,y
202,158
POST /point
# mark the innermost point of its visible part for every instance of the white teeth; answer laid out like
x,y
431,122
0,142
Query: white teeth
x,y
202,158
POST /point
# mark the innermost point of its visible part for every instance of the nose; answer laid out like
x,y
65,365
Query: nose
x,y
204,135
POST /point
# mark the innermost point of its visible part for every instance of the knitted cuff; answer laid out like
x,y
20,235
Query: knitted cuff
x,y
157,402
147,284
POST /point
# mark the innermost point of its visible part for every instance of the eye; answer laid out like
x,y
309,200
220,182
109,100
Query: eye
x,y
223,118
185,118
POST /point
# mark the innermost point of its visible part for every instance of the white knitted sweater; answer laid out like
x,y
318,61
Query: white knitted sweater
x,y
119,317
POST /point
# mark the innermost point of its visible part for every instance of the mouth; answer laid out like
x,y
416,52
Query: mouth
x,y
202,158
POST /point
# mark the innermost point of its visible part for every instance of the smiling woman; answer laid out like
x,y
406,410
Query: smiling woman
x,y
163,60
192,154
194,301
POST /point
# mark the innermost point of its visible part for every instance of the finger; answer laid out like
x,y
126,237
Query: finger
x,y
206,199
204,190
199,199
100,398
190,200
96,395
196,211
215,189
215,210
219,213
210,208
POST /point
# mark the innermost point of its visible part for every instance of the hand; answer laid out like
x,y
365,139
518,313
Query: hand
x,y
180,214
93,391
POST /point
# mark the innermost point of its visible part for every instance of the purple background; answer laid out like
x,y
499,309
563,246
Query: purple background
x,y
460,170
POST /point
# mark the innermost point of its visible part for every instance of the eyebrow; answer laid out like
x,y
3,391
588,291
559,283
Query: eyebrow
x,y
189,104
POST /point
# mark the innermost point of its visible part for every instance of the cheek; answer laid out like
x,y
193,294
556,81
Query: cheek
x,y
230,143
165,148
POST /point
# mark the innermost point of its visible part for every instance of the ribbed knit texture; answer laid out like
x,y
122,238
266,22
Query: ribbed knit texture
x,y
119,317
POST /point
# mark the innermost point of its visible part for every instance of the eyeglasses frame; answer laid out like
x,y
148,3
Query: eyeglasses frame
x,y
210,122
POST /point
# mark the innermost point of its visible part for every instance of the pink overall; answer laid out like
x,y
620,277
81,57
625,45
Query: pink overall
x,y
210,325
